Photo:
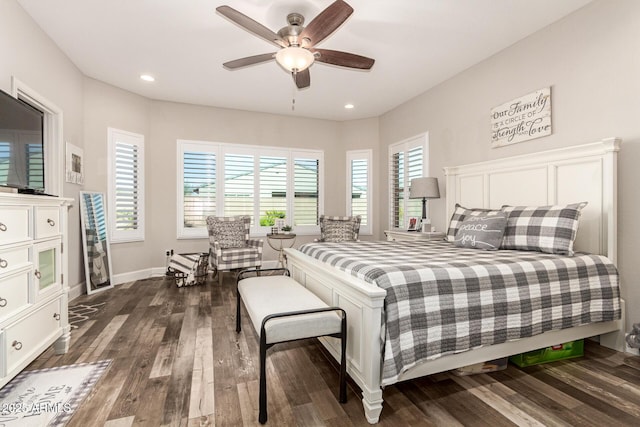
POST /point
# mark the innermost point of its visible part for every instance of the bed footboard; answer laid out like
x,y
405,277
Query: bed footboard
x,y
363,303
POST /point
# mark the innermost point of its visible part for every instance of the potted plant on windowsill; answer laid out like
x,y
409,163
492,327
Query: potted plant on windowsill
x,y
286,229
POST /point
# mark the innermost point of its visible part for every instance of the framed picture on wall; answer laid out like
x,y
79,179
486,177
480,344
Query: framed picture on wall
x,y
74,164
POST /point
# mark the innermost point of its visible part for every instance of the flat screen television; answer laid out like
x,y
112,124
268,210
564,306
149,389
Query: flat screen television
x,y
21,145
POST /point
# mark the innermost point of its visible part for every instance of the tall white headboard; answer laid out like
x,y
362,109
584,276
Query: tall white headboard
x,y
568,175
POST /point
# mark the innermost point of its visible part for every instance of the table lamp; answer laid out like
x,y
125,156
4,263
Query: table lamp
x,y
424,188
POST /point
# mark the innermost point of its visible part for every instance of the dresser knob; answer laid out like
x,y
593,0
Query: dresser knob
x,y
4,263
38,274
3,227
3,302
51,222
17,345
56,316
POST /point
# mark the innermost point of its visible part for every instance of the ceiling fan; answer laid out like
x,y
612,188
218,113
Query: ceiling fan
x,y
297,42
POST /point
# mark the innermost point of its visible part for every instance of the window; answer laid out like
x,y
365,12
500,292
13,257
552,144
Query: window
x,y
306,181
199,186
359,187
262,182
126,186
407,160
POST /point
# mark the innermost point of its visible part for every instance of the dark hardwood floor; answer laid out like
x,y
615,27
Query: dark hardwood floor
x,y
177,361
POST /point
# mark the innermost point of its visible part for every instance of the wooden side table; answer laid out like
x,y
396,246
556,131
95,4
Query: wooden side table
x,y
398,234
281,238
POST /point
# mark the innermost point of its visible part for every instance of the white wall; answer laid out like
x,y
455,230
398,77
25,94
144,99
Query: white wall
x,y
28,54
591,60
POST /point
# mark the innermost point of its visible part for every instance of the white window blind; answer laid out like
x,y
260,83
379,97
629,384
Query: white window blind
x,y
239,184
273,188
126,186
359,187
407,160
199,188
262,182
306,182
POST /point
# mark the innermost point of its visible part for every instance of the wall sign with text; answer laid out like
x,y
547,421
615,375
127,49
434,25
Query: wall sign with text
x,y
522,119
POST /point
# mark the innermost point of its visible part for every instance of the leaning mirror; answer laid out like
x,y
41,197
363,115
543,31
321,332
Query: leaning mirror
x,y
95,241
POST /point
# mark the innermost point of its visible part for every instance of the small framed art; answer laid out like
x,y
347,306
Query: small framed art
x,y
74,164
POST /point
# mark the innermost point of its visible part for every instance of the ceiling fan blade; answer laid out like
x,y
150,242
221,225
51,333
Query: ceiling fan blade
x,y
326,23
344,59
249,60
250,25
302,78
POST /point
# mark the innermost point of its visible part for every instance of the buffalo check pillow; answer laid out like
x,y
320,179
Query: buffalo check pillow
x,y
548,229
459,215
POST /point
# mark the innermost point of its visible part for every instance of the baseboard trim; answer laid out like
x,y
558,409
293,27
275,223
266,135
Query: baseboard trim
x,y
132,276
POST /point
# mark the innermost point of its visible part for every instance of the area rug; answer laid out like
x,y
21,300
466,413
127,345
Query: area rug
x,y
80,313
48,397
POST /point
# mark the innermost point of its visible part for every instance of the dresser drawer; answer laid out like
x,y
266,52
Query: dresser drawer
x,y
31,335
14,293
11,259
47,221
14,224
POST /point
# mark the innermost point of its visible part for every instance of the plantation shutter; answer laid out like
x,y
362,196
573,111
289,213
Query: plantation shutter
x,y
414,168
239,184
199,188
306,185
126,187
273,188
360,190
406,161
397,190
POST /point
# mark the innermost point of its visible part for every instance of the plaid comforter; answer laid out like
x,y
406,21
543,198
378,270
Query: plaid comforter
x,y
442,299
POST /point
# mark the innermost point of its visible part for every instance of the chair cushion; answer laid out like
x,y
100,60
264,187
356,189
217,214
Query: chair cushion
x,y
231,234
239,255
267,295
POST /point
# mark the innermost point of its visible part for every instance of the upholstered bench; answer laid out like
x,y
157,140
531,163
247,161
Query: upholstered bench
x,y
281,310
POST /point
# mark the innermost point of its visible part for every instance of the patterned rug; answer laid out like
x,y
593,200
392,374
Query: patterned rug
x,y
48,397
80,313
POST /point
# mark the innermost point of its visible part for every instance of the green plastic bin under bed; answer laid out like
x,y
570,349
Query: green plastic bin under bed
x,y
550,354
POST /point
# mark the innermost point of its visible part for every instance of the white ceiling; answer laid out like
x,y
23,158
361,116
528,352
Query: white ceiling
x,y
416,44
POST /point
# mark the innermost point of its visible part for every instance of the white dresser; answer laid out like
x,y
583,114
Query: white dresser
x,y
33,292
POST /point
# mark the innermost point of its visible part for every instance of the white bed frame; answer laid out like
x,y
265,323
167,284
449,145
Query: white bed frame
x,y
568,175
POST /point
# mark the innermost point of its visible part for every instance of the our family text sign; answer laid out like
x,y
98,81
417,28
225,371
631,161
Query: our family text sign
x,y
522,119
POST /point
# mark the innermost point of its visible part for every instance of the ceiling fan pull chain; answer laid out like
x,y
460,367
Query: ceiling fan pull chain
x,y
293,93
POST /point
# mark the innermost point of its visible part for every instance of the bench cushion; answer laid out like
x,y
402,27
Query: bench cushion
x,y
267,295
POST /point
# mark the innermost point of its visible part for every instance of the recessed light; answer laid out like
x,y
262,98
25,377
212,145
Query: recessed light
x,y
349,106
147,77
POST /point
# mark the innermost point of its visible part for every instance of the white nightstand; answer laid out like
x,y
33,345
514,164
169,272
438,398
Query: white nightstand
x,y
399,234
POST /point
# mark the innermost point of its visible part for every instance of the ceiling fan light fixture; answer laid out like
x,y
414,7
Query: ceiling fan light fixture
x,y
294,59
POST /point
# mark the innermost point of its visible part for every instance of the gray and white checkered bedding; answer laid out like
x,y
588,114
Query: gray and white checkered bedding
x,y
442,299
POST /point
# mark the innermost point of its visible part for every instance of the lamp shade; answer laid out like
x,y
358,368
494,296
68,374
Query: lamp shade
x,y
424,188
294,59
